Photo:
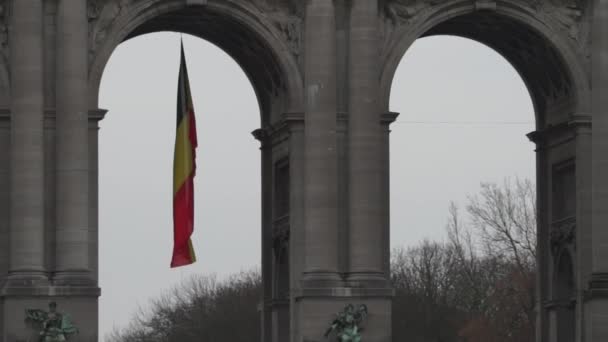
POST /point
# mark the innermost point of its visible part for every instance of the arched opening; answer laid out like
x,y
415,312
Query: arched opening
x,y
471,114
526,83
276,85
135,176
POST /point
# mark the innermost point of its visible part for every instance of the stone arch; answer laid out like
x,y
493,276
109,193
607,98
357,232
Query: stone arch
x,y
242,30
549,63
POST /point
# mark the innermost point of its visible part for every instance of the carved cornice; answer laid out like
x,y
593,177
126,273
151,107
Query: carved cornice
x,y
388,118
540,137
582,124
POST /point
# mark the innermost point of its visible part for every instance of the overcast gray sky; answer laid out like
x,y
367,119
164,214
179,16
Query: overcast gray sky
x,y
457,98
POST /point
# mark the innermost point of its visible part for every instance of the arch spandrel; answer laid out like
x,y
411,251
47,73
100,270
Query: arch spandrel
x,y
262,36
547,42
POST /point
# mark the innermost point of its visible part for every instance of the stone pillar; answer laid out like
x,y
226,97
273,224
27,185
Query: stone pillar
x,y
365,153
5,145
596,317
321,178
94,118
581,124
266,166
295,122
386,120
72,232
27,142
543,196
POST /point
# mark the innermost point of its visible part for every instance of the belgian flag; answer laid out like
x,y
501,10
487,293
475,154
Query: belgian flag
x,y
184,167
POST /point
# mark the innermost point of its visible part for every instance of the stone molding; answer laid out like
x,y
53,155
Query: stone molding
x,y
50,291
598,287
94,114
344,292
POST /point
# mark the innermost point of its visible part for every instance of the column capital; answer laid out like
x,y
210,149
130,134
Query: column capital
x,y
97,114
540,137
389,117
261,135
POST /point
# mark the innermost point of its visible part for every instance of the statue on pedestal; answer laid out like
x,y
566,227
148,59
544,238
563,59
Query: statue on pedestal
x,y
54,326
347,324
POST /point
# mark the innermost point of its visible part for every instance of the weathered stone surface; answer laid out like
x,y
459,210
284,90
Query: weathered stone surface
x,y
322,71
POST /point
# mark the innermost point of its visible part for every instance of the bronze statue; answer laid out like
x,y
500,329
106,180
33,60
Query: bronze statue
x,y
347,324
54,326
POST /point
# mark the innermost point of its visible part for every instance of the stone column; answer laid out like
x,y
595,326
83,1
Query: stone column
x,y
295,122
321,177
94,118
27,142
542,234
72,232
596,312
581,124
386,120
5,145
266,197
600,140
366,162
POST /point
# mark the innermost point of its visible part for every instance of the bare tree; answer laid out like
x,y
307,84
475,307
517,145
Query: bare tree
x,y
201,309
478,285
505,217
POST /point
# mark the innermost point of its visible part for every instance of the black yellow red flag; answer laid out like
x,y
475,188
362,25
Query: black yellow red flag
x,y
184,169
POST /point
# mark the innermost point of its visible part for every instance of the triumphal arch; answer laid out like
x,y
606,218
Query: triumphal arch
x,y
322,72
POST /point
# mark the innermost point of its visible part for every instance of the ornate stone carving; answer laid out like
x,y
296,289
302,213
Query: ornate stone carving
x,y
280,237
563,234
290,28
567,13
102,14
401,11
286,17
